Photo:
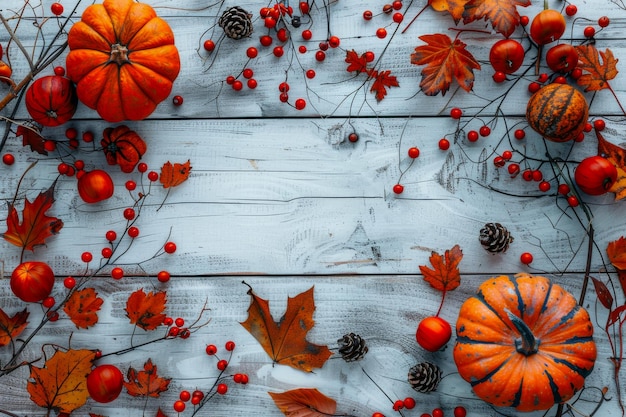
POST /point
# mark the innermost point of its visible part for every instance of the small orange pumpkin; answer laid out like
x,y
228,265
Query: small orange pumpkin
x,y
524,343
122,58
558,112
122,146
51,100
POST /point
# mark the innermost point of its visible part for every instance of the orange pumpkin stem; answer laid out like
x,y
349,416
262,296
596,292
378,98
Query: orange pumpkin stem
x,y
119,54
527,344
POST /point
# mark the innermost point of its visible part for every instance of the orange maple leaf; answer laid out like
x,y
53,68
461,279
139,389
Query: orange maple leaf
x,y
82,307
616,251
31,136
61,385
285,341
382,80
454,7
598,73
146,310
617,156
11,327
445,276
304,402
147,382
357,63
36,226
174,174
445,60
503,14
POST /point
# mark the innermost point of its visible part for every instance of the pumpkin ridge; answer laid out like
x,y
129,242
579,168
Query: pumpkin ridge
x,y
480,297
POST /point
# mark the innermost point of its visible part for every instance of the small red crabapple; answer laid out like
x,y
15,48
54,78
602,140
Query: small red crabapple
x,y
353,137
209,45
69,282
229,346
413,152
211,350
444,144
300,104
184,395
398,188
179,321
456,113
526,258
163,276
169,247
133,231
86,257
56,9
179,406
177,100
381,33
8,159
222,364
222,389
367,15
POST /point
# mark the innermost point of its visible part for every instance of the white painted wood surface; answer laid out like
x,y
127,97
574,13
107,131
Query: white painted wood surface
x,y
282,197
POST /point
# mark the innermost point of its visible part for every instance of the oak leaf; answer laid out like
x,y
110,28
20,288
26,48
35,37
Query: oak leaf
x,y
597,74
82,307
382,80
304,402
445,276
454,7
146,310
31,136
36,226
147,382
446,60
61,385
617,156
174,174
285,341
356,63
503,14
616,250
11,327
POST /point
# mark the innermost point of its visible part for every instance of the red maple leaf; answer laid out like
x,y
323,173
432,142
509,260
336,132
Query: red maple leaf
x,y
382,80
35,226
11,327
356,62
597,74
147,382
445,60
503,14
31,135
173,175
445,275
82,307
146,310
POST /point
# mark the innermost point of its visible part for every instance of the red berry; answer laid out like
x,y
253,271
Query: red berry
x,y
69,283
265,40
307,34
278,51
310,74
79,164
499,77
237,378
173,332
168,321
377,414
534,87
334,41
304,7
397,5
527,175
53,315
563,189
387,8
544,186
300,104
543,77
129,213
71,133
484,131
142,167
163,276
425,415
499,161
179,321
222,389
59,70
570,10
526,258
179,406
398,405
302,49
381,33
170,247
507,155
320,56
230,79
117,273
398,17
133,231
398,188
472,136
524,20
367,15
247,73
106,252
8,159
353,137
560,80
184,396
572,200
537,175
86,257
520,134
130,185
62,168
252,52
252,84
48,302
324,46
589,32
177,100
237,85
209,45
56,9
270,22
244,379
513,170
437,412
282,35
222,364
49,145
211,350
576,73
409,403
229,346
444,144
456,113
460,411
284,97
110,235
599,124
413,152
283,87
603,21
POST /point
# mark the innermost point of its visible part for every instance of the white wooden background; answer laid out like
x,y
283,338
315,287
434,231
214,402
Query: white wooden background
x,y
281,197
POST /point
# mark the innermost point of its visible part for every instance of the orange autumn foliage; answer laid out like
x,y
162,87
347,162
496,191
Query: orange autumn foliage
x,y
285,340
445,275
175,174
12,326
304,402
617,156
146,310
596,74
82,307
147,382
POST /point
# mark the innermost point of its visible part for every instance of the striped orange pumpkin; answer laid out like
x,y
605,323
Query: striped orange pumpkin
x,y
558,112
524,343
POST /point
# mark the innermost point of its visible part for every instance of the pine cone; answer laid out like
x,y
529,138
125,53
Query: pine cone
x,y
236,22
424,377
352,347
495,238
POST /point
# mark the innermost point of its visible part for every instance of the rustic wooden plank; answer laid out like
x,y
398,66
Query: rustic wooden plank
x,y
263,200
384,310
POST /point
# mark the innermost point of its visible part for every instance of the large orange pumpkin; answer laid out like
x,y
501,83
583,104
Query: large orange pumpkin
x,y
558,112
123,59
524,343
